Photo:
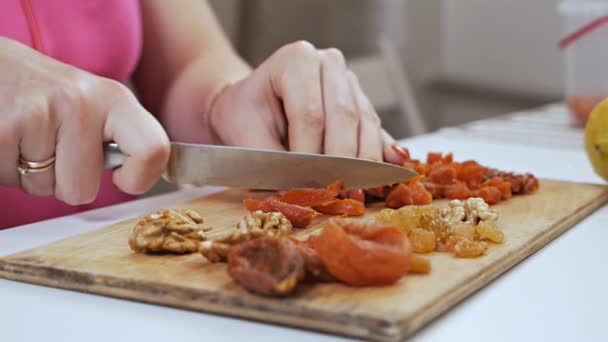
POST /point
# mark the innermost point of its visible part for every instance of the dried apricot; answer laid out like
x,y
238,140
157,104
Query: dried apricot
x,y
500,184
400,196
299,216
489,194
312,197
433,157
456,190
362,254
442,174
420,195
423,241
348,207
357,195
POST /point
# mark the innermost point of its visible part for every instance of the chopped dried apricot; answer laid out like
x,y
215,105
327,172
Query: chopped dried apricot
x,y
456,190
433,157
357,195
312,197
500,184
347,207
299,216
489,194
442,174
400,196
362,254
420,195
423,241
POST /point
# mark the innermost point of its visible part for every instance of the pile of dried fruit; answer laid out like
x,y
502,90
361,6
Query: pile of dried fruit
x,y
462,229
300,206
262,258
440,177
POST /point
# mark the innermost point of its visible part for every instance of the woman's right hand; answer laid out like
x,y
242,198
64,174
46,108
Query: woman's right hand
x,y
48,108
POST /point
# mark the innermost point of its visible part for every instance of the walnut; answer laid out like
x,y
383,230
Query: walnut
x,y
257,224
214,251
471,211
168,231
478,210
455,212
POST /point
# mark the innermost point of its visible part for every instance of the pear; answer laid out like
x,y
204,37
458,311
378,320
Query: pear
x,y
596,139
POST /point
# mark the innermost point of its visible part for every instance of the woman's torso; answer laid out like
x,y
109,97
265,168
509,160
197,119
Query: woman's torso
x,y
99,36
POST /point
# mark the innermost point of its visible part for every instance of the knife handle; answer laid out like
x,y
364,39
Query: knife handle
x,y
113,157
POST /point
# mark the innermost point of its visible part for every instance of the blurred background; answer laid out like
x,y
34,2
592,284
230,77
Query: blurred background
x,y
447,61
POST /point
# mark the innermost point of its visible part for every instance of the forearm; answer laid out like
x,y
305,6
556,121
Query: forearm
x,y
186,60
192,92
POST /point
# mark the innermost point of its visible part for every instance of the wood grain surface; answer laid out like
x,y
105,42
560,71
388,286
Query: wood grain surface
x,y
101,262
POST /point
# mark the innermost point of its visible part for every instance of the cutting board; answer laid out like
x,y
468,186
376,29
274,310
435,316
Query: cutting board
x,y
101,262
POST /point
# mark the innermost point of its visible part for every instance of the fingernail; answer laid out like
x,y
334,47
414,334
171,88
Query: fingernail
x,y
402,152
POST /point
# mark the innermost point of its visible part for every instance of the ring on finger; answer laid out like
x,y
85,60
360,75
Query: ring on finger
x,y
26,166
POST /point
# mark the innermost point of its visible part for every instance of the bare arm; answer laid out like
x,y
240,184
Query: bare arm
x,y
300,99
186,60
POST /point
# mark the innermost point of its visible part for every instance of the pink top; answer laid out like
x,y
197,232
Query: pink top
x,y
103,37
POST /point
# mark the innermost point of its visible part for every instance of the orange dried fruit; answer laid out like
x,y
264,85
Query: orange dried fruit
x,y
299,217
420,195
357,195
312,197
347,207
400,196
361,254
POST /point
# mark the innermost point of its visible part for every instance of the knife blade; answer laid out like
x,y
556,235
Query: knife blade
x,y
238,167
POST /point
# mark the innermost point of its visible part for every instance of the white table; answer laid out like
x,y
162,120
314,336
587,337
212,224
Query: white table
x,y
559,293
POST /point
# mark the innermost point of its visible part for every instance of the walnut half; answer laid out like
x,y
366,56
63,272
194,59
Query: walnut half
x,y
168,231
471,211
258,224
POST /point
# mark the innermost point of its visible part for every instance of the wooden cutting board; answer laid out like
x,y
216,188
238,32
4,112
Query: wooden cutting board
x,y
101,262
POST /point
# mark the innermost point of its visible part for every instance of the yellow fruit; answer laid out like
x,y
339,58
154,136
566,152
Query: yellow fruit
x,y
596,139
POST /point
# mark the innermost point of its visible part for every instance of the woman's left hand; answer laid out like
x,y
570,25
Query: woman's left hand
x,y
301,99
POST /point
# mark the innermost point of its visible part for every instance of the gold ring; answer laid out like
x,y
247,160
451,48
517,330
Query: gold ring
x,y
26,166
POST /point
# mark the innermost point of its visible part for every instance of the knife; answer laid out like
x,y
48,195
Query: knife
x,y
237,167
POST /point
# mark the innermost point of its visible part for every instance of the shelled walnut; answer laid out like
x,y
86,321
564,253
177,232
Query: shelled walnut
x,y
471,211
258,224
168,231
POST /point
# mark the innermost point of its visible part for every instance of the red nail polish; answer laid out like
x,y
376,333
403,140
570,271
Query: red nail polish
x,y
402,152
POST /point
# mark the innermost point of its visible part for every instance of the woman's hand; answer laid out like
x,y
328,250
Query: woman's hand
x,y
305,100
51,109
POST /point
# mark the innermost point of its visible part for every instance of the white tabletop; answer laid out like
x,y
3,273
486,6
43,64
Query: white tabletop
x,y
556,294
